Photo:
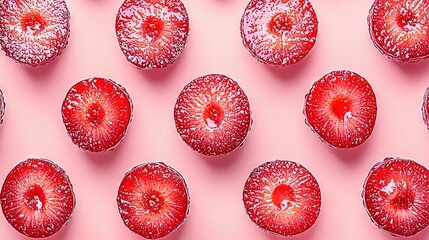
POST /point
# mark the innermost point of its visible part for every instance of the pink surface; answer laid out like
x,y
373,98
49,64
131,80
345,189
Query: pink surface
x,y
33,127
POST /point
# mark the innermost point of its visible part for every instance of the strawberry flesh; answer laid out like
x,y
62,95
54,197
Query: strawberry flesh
x,y
37,198
282,197
395,196
341,109
399,29
152,34
153,200
34,32
96,113
279,32
212,115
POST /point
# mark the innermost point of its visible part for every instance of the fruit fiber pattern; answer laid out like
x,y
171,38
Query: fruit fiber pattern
x,y
34,32
396,197
37,198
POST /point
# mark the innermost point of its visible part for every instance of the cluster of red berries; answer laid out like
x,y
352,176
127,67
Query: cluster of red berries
x,y
212,115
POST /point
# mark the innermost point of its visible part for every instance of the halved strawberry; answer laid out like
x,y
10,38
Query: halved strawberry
x,y
341,109
282,197
2,107
425,108
395,195
96,113
279,32
37,198
152,33
153,200
399,29
212,114
34,32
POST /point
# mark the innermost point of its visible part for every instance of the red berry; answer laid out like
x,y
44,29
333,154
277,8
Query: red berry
x,y
153,200
282,197
279,32
399,29
341,109
395,196
37,198
2,107
34,32
212,115
96,113
425,108
152,33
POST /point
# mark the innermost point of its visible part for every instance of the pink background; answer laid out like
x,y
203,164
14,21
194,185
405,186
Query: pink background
x,y
33,127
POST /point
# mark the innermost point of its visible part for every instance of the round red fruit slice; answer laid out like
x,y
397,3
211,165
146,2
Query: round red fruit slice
x,y
395,195
37,198
282,197
2,107
341,109
152,33
279,32
96,113
212,115
34,32
399,29
153,200
425,108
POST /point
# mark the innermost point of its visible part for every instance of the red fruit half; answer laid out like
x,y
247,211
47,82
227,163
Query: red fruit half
x,y
153,200
282,197
2,107
399,29
152,33
37,198
425,108
395,195
212,114
279,32
96,113
341,109
34,32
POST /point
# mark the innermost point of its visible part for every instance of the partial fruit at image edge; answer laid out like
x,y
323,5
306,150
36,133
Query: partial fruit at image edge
x,y
34,33
37,198
278,32
282,197
153,200
152,34
399,29
96,113
2,107
425,108
395,196
212,115
341,109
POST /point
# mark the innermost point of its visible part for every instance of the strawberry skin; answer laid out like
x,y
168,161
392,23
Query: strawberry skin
x,y
152,33
212,115
425,108
399,29
34,32
37,198
279,32
2,107
96,113
341,109
395,196
282,197
153,200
